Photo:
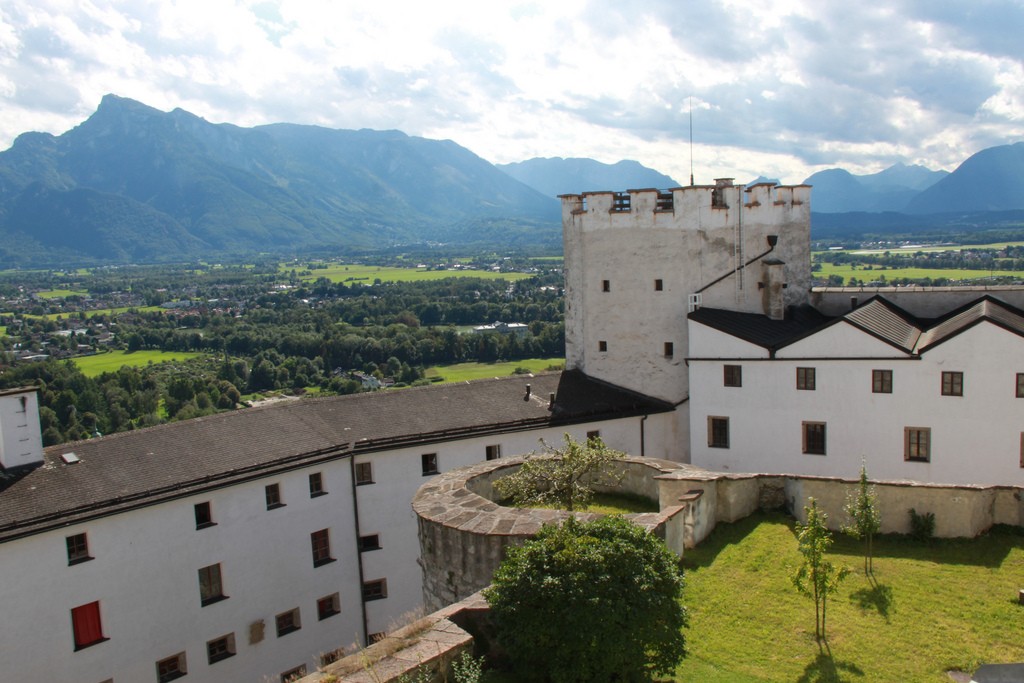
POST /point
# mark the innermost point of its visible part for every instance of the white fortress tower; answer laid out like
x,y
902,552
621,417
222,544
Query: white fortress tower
x,y
637,262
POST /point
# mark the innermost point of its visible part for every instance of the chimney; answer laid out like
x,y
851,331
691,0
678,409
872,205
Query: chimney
x,y
21,441
528,392
551,400
772,299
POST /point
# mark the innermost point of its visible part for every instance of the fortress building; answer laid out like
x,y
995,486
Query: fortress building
x,y
251,545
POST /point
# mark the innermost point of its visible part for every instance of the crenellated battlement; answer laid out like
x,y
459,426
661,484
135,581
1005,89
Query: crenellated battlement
x,y
654,207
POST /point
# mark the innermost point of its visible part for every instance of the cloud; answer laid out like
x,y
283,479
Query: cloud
x,y
782,88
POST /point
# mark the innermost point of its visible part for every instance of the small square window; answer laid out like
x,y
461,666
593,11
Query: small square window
x,y
211,589
78,549
805,379
273,495
204,515
917,444
331,657
321,543
732,375
881,381
364,473
316,485
369,542
171,668
328,606
814,438
288,622
220,649
606,285
375,590
293,674
594,435
659,285
86,625
670,349
602,345
493,452
429,463
718,432
952,384
1020,385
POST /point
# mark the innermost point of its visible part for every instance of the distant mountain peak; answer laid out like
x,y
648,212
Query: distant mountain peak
x,y
573,175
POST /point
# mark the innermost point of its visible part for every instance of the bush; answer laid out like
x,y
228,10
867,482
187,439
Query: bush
x,y
922,526
594,601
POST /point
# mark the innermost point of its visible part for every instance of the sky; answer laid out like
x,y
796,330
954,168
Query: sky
x,y
773,88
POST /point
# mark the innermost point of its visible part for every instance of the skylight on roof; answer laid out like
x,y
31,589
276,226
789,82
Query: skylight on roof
x,y
69,458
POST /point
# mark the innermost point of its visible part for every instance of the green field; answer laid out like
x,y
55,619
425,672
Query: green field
x,y
928,250
94,312
460,372
944,605
846,271
61,293
92,366
352,274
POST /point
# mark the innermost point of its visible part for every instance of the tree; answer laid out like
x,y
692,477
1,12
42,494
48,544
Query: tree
x,y
817,577
590,601
865,519
561,477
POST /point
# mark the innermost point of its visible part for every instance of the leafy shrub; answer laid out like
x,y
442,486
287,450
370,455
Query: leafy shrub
x,y
922,526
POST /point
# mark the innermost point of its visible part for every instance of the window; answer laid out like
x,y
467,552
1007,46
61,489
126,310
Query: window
x,y
1022,449
331,657
375,590
293,674
718,432
273,495
211,589
171,668
881,381
733,375
327,607
952,384
288,622
220,649
814,438
321,542
602,345
917,443
606,285
429,462
594,435
493,452
364,473
805,379
369,542
204,516
1020,385
670,349
78,549
659,285
316,485
85,623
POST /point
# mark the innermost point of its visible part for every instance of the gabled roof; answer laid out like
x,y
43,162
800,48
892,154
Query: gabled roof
x,y
887,321
877,316
134,469
965,317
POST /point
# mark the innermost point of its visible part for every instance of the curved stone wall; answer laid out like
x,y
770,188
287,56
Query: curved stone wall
x,y
464,533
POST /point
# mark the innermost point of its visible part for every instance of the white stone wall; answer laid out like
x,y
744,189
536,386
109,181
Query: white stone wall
x,y
686,248
975,439
20,439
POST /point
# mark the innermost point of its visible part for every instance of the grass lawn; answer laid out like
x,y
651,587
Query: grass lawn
x,y
367,274
92,366
950,604
61,293
460,372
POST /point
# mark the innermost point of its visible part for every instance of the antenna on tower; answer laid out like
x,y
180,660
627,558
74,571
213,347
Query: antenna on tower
x,y
690,107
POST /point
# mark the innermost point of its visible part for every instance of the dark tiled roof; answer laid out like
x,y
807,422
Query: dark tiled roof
x,y
760,329
138,468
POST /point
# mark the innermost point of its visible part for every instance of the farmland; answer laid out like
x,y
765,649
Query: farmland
x,y
93,366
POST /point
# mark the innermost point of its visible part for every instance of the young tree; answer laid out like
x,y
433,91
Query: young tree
x,y
563,477
865,519
594,601
817,577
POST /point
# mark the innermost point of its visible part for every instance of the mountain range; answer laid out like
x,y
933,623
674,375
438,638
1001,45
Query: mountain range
x,y
135,184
